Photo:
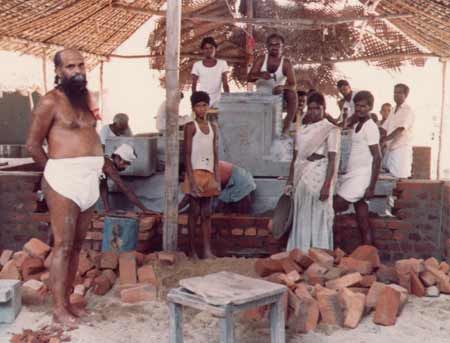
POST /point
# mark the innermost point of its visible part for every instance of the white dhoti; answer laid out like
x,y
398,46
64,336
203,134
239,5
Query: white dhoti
x,y
352,185
399,161
76,178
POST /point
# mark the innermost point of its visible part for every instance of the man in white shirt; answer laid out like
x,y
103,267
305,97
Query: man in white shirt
x,y
357,185
346,104
398,141
209,74
162,114
119,127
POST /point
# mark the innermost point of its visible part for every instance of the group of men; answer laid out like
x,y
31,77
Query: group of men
x,y
75,160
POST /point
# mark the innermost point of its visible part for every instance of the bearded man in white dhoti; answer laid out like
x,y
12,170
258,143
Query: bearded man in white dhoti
x,y
398,142
312,178
357,185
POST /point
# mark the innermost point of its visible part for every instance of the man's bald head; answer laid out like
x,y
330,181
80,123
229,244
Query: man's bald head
x,y
59,56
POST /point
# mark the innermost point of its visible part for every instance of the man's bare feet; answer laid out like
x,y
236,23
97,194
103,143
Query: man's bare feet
x,y
78,311
64,317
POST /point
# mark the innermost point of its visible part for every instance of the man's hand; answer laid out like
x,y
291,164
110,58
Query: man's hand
x,y
265,75
195,189
278,90
370,193
324,192
288,189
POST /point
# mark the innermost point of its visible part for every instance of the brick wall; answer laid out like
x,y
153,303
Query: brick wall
x,y
18,204
445,240
416,230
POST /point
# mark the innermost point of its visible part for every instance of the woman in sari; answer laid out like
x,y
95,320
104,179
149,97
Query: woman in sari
x,y
312,178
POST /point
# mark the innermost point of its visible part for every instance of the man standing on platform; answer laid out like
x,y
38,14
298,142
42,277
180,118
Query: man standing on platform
x,y
276,72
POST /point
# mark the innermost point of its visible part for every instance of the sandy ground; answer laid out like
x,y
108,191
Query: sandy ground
x,y
422,320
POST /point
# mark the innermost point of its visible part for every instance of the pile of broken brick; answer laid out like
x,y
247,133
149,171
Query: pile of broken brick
x,y
97,272
337,289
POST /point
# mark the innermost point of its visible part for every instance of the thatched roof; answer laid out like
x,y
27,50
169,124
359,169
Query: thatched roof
x,y
98,27
386,41
92,26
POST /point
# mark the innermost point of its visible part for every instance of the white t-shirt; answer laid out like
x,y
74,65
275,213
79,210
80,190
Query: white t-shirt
x,y
161,118
210,79
105,133
360,155
404,117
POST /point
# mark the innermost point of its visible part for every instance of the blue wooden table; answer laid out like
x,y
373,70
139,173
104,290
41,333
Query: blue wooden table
x,y
223,294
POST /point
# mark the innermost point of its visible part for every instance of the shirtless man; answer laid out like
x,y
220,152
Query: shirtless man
x,y
274,66
72,168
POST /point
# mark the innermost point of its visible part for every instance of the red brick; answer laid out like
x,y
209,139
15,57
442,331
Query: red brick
x,y
303,290
367,253
280,256
289,266
146,274
138,293
85,264
237,232
48,260
361,290
353,265
387,308
19,257
417,287
34,292
109,260
387,274
321,257
45,278
36,247
444,267
374,293
354,305
432,262
151,257
329,306
263,232
101,285
109,273
368,280
345,281
93,273
251,232
404,280
306,314
32,266
427,278
406,266
255,314
267,266
316,269
276,278
5,256
140,258
168,257
127,269
338,255
88,282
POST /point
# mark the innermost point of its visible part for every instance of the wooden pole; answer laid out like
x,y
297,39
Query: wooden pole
x,y
249,52
173,29
441,124
44,69
100,92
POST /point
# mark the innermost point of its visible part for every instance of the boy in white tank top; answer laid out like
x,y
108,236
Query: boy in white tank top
x,y
202,180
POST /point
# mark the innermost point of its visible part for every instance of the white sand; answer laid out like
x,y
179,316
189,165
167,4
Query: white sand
x,y
423,320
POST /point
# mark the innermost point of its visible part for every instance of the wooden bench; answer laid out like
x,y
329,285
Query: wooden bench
x,y
223,294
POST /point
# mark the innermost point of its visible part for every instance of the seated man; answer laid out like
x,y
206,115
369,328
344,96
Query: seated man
x,y
120,160
162,114
274,71
398,140
357,185
119,127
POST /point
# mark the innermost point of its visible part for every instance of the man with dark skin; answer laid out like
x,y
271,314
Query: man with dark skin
x,y
119,127
120,160
210,72
72,167
358,184
275,66
202,170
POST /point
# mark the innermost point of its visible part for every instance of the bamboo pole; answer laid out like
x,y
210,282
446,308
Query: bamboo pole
x,y
100,93
44,68
249,52
173,19
441,124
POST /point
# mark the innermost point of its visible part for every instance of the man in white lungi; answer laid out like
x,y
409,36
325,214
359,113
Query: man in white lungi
x,y
357,185
398,142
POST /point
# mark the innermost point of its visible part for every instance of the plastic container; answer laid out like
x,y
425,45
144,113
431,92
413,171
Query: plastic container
x,y
120,234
